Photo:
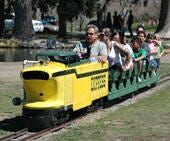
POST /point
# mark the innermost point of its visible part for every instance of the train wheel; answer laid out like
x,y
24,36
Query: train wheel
x,y
153,85
60,117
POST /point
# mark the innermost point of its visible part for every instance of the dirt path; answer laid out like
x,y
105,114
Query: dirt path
x,y
166,59
10,71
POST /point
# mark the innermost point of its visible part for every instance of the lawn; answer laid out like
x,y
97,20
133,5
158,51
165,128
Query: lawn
x,y
124,123
9,91
164,69
146,120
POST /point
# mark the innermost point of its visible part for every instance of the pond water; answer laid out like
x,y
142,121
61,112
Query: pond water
x,y
20,54
15,55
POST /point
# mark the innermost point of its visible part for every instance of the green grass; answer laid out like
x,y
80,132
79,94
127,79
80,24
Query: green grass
x,y
164,68
7,109
7,92
147,120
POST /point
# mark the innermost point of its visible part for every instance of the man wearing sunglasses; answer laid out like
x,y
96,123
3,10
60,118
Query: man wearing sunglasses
x,y
92,48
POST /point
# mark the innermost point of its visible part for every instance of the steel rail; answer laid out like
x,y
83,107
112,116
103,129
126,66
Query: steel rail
x,y
14,135
46,131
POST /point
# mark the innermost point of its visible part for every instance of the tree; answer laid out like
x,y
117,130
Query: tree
x,y
2,2
163,27
23,29
44,5
109,20
61,9
69,9
100,12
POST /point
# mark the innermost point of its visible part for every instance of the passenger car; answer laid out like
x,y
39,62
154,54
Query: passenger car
x,y
9,24
37,25
50,19
50,27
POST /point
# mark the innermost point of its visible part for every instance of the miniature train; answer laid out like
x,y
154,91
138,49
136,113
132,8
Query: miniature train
x,y
59,83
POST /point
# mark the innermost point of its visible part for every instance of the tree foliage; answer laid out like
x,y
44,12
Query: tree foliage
x,y
164,27
70,9
44,5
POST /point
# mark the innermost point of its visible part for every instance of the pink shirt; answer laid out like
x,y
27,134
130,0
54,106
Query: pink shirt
x,y
152,49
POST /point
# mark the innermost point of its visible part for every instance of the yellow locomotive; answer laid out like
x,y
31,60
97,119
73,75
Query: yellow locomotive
x,y
59,83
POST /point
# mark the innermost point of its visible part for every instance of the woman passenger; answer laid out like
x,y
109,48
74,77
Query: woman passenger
x,y
128,48
115,49
122,51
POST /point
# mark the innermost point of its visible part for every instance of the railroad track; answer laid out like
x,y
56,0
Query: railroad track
x,y
14,135
46,131
164,78
25,135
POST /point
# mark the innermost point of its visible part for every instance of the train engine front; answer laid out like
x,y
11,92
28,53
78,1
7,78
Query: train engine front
x,y
44,101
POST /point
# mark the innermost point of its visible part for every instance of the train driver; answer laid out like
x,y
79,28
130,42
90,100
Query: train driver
x,y
92,48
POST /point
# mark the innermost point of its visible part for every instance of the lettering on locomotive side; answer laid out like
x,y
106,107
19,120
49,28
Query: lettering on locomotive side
x,y
98,82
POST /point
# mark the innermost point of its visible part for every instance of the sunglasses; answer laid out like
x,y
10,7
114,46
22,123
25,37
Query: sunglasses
x,y
91,34
102,34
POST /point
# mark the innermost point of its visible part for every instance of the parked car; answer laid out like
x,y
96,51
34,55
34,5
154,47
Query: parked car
x,y
50,19
50,27
37,25
9,25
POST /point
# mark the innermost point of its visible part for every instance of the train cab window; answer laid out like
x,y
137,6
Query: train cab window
x,y
44,58
62,57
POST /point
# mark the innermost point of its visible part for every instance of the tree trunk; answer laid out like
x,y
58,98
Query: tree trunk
x,y
81,22
2,4
62,25
62,19
99,20
23,28
163,28
71,29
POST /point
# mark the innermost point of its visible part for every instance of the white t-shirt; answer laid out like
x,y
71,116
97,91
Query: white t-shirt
x,y
96,49
114,54
128,49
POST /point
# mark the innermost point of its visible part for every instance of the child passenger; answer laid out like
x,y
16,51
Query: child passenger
x,y
157,42
154,51
138,55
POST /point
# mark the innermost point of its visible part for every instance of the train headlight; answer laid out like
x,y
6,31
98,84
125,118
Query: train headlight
x,y
16,101
21,75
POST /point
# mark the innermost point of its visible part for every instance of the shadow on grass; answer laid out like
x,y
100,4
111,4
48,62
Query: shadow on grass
x,y
12,124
